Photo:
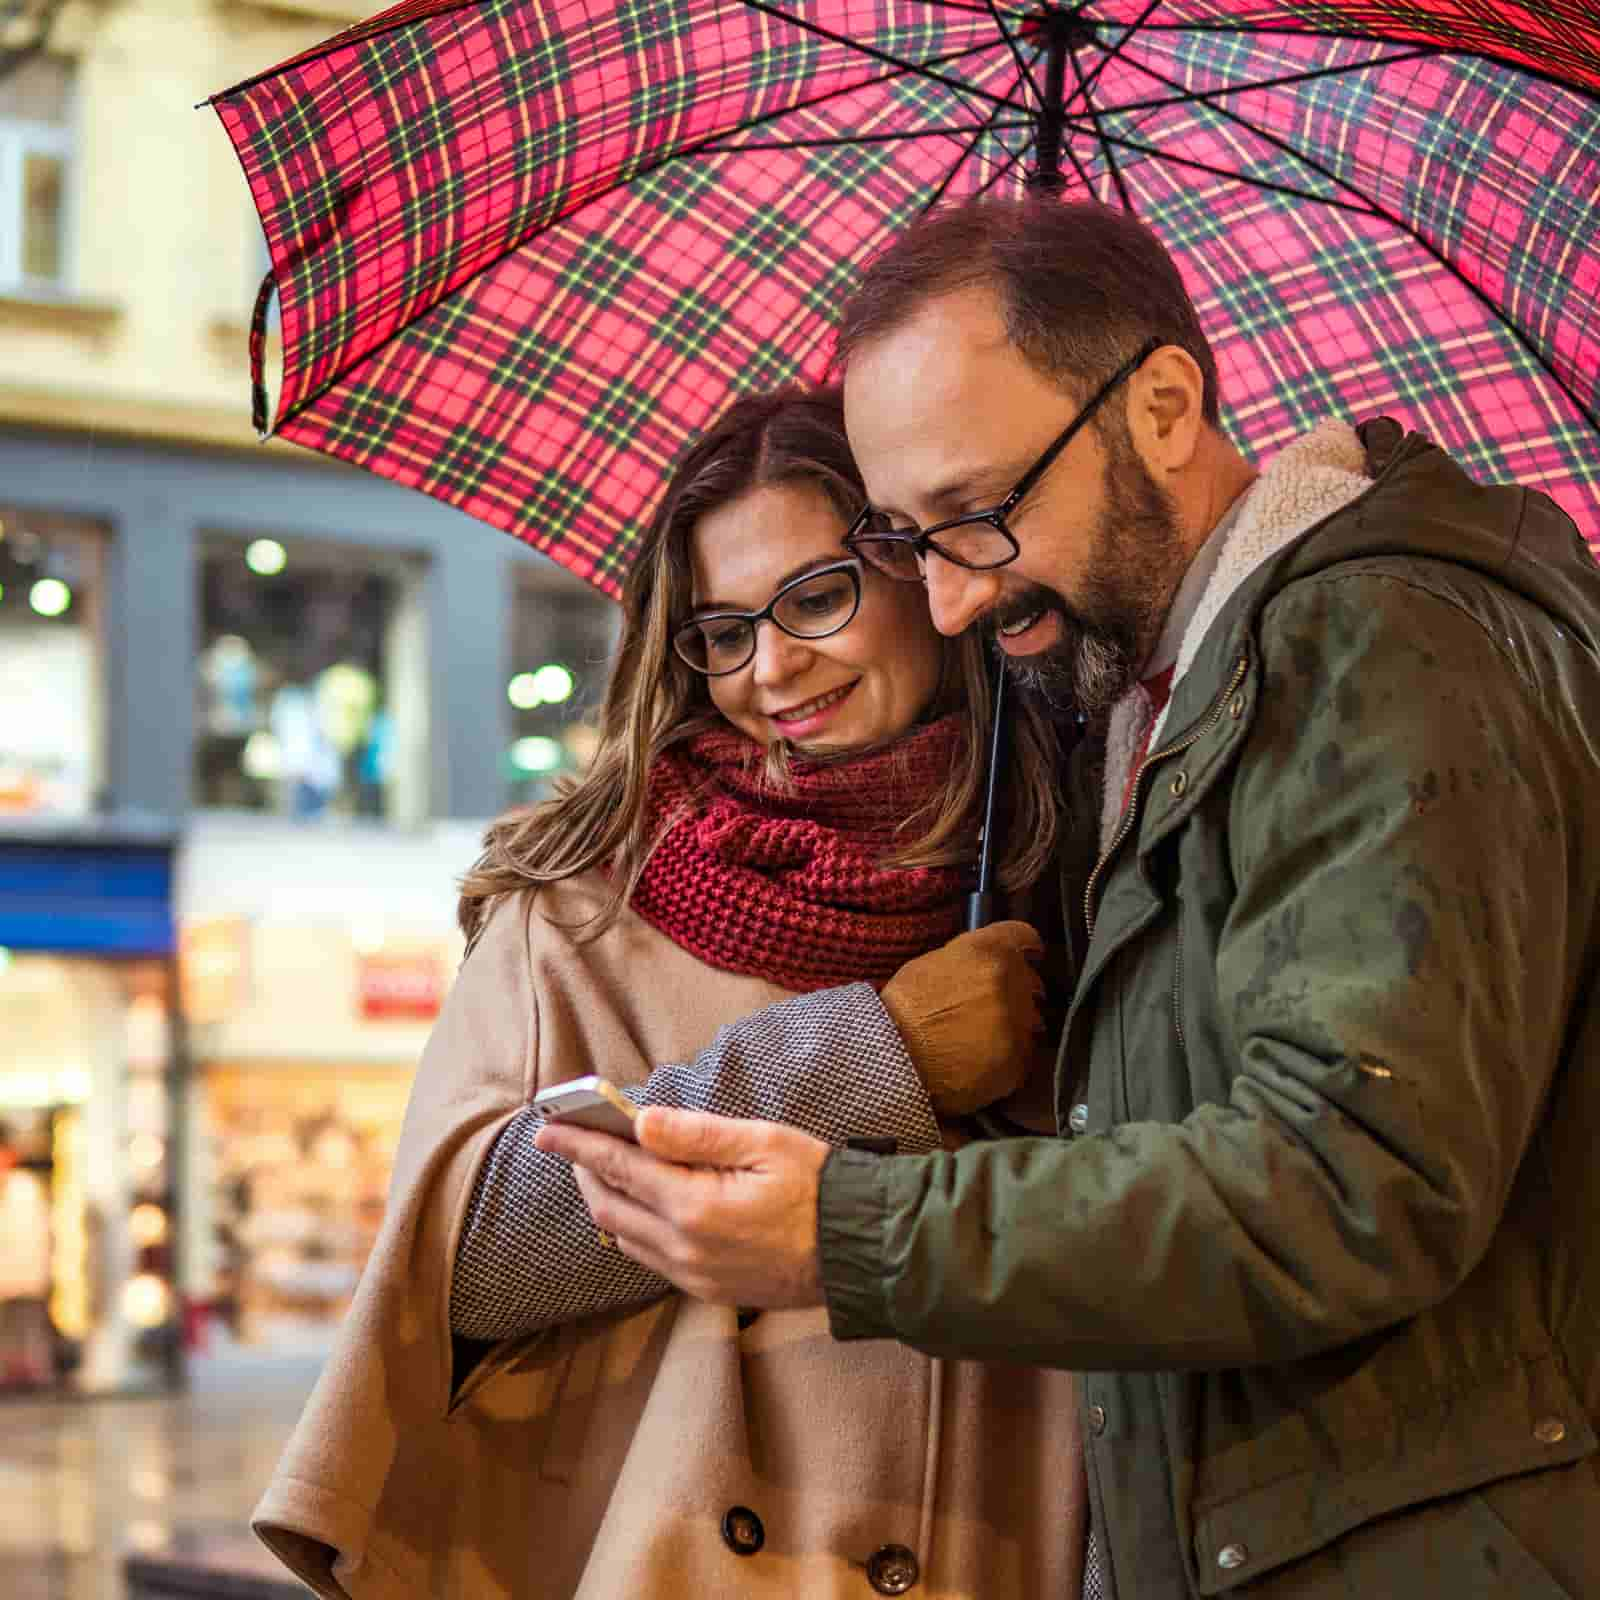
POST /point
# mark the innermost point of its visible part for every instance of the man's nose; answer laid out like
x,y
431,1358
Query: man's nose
x,y
779,656
957,596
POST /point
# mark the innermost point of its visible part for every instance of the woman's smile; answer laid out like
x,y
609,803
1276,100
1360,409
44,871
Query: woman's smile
x,y
797,722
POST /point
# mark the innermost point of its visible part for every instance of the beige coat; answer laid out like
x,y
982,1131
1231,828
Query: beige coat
x,y
598,1459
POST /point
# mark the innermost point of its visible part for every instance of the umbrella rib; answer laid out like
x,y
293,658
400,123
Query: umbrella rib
x,y
1355,36
862,138
1140,148
1099,133
1382,213
1024,70
916,69
1086,85
1078,166
955,5
956,165
1206,96
995,177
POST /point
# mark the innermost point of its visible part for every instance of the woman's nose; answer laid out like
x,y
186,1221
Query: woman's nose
x,y
957,596
779,656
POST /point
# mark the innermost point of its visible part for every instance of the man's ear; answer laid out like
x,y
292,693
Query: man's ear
x,y
1166,414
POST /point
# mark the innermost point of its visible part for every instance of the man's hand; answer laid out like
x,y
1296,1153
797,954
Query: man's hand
x,y
722,1207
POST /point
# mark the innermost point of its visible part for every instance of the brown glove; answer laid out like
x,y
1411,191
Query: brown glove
x,y
969,1015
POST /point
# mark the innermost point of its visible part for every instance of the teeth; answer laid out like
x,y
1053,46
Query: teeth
x,y
811,707
1012,629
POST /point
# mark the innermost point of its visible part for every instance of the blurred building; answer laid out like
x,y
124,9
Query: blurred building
x,y
255,709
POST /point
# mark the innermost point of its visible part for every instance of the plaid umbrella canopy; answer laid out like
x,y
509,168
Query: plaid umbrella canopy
x,y
526,249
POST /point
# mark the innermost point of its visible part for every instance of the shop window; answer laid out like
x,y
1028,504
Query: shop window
x,y
300,1163
311,681
89,1186
36,155
50,711
562,634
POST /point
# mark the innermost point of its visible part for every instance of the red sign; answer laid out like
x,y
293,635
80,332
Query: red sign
x,y
400,988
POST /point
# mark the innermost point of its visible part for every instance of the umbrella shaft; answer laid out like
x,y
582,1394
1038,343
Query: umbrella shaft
x,y
1061,37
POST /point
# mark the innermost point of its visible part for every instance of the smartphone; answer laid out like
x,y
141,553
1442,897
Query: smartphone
x,y
589,1103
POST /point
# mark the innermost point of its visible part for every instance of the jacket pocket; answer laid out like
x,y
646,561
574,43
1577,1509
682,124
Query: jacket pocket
x,y
1522,1420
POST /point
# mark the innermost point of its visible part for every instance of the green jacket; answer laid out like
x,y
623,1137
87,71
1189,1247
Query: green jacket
x,y
1327,1247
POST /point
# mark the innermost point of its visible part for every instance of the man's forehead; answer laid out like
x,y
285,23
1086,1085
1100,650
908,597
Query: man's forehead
x,y
946,341
926,403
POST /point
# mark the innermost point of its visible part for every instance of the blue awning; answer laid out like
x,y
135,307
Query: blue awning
x,y
105,897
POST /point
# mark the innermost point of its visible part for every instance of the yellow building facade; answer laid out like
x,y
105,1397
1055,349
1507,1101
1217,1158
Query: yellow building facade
x,y
136,324
265,701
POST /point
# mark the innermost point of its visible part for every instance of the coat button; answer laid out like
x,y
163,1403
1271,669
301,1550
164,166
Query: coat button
x,y
1550,1430
1078,1118
892,1569
1180,784
1097,1420
742,1531
1232,1556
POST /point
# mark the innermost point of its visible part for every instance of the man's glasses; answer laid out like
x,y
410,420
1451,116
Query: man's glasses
x,y
976,540
812,606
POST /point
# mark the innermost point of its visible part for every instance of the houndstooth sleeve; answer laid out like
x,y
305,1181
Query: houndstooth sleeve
x,y
830,1064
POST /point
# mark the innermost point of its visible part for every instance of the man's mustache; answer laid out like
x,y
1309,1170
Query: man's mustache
x,y
1032,601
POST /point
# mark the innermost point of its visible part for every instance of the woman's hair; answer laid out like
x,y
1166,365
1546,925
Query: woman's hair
x,y
789,438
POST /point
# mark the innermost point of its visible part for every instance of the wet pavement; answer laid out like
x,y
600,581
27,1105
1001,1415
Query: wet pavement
x,y
86,1483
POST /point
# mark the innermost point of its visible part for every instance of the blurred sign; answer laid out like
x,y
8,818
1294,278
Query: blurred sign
x,y
212,956
400,987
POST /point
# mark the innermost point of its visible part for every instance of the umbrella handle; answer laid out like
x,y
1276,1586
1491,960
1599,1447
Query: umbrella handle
x,y
980,903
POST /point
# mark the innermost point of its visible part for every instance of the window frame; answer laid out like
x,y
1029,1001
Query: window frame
x,y
20,138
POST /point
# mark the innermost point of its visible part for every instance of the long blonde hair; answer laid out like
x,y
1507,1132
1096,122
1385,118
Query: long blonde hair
x,y
653,700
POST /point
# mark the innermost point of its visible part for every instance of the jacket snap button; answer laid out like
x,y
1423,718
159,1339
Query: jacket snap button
x,y
1097,1419
1232,1556
1180,783
1236,707
1550,1430
742,1531
892,1569
1078,1117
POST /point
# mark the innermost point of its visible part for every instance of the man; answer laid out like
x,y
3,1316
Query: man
x,y
1320,1231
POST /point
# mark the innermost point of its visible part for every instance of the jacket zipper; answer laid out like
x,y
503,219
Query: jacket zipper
x,y
1177,989
1131,815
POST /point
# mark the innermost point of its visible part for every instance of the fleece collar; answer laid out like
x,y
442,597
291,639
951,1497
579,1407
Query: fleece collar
x,y
1308,480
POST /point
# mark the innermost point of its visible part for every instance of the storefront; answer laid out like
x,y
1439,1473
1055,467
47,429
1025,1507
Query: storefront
x,y
314,964
91,1152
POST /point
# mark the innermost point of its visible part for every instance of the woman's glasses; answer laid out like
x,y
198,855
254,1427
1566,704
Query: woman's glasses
x,y
977,540
812,606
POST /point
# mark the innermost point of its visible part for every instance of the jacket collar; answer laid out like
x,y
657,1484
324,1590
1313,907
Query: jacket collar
x,y
1311,479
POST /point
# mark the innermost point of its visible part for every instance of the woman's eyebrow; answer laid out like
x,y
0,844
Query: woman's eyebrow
x,y
704,607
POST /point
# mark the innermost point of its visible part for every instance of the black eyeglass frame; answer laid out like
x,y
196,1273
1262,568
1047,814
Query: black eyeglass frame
x,y
768,613
922,540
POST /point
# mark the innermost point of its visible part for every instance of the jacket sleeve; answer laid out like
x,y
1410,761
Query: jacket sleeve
x,y
829,1063
1394,971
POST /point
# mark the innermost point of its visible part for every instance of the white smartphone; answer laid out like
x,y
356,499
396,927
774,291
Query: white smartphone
x,y
590,1103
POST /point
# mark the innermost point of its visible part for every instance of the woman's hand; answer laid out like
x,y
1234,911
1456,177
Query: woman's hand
x,y
969,1013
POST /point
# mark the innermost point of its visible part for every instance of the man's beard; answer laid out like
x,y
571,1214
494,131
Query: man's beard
x,y
1136,562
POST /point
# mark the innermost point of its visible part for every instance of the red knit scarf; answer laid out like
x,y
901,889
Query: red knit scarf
x,y
789,886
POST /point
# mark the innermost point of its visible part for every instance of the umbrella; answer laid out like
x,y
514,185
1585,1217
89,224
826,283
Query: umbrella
x,y
525,249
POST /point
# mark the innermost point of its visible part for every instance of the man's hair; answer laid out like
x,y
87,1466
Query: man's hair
x,y
1081,286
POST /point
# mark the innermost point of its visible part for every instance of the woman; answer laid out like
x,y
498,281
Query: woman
x,y
782,801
